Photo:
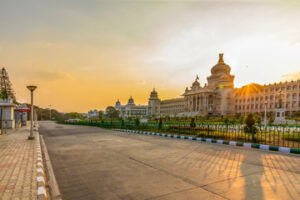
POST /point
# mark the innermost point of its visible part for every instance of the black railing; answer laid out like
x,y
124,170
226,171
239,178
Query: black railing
x,y
271,135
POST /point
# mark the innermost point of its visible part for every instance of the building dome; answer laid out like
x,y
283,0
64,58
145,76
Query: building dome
x,y
153,94
118,103
221,66
130,101
196,84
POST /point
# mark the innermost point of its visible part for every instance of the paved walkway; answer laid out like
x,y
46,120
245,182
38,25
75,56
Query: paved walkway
x,y
17,165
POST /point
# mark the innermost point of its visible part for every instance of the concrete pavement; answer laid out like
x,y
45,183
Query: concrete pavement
x,y
94,163
18,176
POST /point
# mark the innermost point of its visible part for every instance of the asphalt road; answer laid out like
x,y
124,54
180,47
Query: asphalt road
x,y
94,163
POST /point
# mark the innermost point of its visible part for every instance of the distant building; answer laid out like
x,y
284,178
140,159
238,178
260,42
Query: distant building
x,y
131,110
219,98
172,107
93,113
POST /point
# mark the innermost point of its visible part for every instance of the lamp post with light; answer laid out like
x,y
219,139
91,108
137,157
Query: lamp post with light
x,y
265,120
31,88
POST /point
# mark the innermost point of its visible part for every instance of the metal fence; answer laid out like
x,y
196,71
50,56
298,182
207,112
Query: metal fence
x,y
271,135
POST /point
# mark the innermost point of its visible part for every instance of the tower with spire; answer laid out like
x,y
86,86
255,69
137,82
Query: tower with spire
x,y
153,104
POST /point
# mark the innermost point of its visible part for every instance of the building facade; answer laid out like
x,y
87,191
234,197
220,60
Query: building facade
x,y
218,97
93,114
214,98
131,110
284,95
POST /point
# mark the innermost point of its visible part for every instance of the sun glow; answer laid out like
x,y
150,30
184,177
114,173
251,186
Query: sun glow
x,y
249,89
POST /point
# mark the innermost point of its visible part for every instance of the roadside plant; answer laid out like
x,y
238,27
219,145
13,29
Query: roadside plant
x,y
193,124
137,121
249,127
160,124
271,119
257,119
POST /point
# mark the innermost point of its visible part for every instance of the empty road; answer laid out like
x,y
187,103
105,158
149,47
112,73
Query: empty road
x,y
94,163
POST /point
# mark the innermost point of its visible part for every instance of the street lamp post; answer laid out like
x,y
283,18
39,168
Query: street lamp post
x,y
50,111
265,120
31,88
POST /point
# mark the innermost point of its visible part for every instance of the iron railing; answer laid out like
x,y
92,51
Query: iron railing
x,y
285,136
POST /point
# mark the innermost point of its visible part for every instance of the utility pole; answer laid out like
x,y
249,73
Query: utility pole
x,y
265,120
50,111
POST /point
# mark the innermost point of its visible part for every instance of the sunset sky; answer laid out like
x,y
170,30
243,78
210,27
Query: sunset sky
x,y
86,54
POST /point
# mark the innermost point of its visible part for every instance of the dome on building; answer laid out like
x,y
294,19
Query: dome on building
x,y
153,94
221,66
130,101
118,103
196,84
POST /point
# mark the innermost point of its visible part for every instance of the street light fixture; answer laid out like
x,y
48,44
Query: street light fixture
x,y
31,88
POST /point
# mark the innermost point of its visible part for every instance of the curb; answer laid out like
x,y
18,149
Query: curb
x,y
41,183
52,183
262,147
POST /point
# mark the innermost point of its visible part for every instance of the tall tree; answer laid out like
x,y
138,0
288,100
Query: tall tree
x,y
6,86
112,113
100,115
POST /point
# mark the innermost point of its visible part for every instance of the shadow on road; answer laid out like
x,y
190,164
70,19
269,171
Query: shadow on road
x,y
252,182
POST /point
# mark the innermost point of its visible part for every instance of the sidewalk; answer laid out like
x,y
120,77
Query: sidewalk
x,y
18,173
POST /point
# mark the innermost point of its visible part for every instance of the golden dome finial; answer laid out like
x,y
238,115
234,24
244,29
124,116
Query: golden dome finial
x,y
221,61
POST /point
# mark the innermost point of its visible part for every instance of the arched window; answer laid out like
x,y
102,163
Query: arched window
x,y
295,87
294,97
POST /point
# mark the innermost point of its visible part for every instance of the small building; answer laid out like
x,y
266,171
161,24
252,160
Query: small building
x,y
7,113
21,115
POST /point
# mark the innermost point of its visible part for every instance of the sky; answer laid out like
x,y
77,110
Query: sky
x,y
86,54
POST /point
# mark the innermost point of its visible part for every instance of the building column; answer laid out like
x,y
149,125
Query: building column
x,y
206,102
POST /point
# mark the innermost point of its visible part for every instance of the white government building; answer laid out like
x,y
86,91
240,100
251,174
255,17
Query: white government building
x,y
218,97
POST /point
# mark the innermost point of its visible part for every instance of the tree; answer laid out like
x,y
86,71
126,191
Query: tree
x,y
271,119
122,122
226,120
3,94
207,117
112,113
137,121
257,119
75,115
160,124
100,115
193,124
249,125
5,86
297,114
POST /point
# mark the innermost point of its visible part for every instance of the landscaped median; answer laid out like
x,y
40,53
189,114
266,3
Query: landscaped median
x,y
226,142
